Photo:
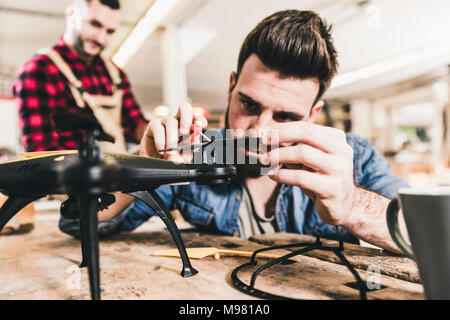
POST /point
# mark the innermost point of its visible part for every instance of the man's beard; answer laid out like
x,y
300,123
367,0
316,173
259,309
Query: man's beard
x,y
79,46
248,170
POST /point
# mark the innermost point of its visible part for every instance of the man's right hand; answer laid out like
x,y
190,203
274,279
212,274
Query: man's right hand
x,y
166,133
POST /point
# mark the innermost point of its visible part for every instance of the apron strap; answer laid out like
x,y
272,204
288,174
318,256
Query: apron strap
x,y
75,85
110,119
114,73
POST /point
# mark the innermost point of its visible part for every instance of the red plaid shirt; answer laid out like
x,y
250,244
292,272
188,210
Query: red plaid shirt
x,y
40,89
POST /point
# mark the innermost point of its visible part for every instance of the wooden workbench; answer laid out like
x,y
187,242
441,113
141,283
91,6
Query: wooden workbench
x,y
43,265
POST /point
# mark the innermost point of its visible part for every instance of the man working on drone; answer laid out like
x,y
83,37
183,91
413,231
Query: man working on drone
x,y
328,184
72,76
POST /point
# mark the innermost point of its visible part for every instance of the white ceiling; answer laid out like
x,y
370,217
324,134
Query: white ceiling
x,y
405,25
26,27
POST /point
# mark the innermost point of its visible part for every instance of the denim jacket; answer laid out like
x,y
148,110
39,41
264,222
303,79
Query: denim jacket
x,y
216,207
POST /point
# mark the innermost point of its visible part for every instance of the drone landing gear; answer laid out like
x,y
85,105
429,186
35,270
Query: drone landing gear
x,y
88,207
152,199
12,206
88,180
89,241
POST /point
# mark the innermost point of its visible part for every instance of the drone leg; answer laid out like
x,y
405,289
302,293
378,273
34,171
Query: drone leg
x,y
12,206
69,210
83,235
152,199
89,241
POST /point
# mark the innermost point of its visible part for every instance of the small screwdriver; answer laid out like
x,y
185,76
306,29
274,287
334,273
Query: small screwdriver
x,y
197,131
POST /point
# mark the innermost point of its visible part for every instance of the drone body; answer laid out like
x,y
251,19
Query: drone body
x,y
48,173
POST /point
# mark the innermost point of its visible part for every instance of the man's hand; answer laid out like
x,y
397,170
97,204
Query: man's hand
x,y
166,133
319,161
160,135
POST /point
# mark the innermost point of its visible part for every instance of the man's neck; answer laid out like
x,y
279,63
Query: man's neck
x,y
264,192
262,183
259,179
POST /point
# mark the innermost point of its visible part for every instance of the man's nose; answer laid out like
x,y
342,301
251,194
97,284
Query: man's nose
x,y
102,37
262,122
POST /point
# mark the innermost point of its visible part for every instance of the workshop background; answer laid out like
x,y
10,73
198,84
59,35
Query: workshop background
x,y
392,87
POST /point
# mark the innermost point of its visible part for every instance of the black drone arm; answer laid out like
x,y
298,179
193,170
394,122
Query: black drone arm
x,y
12,206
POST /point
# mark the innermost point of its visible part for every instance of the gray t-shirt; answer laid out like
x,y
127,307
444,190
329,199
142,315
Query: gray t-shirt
x,y
252,222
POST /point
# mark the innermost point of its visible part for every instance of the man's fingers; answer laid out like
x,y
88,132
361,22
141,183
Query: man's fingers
x,y
327,139
185,118
165,134
303,154
154,137
187,115
171,129
315,183
199,119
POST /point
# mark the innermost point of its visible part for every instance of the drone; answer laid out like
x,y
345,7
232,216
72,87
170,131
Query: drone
x,y
89,177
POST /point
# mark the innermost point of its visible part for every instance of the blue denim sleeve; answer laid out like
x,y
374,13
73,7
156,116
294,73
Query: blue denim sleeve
x,y
105,228
372,171
138,212
129,219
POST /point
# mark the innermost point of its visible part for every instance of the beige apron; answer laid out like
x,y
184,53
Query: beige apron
x,y
107,109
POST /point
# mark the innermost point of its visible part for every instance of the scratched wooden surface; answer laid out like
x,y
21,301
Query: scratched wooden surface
x,y
363,258
43,265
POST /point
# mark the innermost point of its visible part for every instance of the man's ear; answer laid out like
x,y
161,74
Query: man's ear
x,y
231,85
315,110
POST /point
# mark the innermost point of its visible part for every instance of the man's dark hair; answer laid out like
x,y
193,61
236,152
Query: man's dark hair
x,y
113,4
295,43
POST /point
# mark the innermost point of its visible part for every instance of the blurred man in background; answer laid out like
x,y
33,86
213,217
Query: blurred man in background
x,y
72,76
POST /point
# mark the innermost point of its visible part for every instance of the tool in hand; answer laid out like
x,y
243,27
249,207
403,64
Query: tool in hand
x,y
197,131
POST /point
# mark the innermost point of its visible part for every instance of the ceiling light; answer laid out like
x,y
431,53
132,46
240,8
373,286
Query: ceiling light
x,y
154,17
391,64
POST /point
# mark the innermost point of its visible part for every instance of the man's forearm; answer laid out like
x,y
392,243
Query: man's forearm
x,y
122,201
368,219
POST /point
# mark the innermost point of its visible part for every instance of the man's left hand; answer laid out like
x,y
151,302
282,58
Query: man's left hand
x,y
318,160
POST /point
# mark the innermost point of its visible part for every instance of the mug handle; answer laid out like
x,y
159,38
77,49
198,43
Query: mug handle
x,y
394,228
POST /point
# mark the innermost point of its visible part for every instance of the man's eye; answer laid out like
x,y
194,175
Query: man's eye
x,y
282,118
250,107
95,24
